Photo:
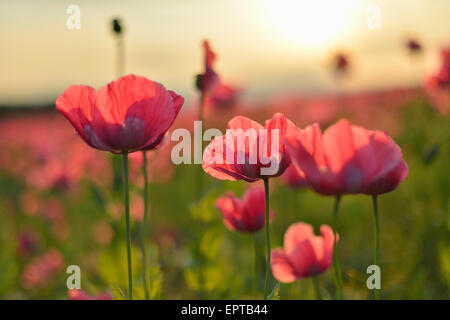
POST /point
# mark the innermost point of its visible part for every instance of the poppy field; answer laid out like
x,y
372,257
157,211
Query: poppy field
x,y
133,189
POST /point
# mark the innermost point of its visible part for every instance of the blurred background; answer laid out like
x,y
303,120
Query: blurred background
x,y
266,46
382,64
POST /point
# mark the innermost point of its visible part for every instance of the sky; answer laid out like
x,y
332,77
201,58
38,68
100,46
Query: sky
x,y
266,47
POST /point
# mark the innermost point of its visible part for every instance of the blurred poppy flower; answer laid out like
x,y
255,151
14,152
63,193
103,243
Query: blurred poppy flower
x,y
438,85
304,254
78,294
102,232
31,203
207,81
413,45
248,151
129,114
346,159
59,163
293,177
216,95
222,97
442,77
341,63
27,243
41,269
246,214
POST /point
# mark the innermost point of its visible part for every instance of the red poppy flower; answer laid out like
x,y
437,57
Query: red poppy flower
x,y
304,254
248,151
246,215
346,159
129,114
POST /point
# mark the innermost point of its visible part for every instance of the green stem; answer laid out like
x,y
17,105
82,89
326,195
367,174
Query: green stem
x,y
377,239
200,186
144,225
266,281
337,266
317,287
255,265
127,222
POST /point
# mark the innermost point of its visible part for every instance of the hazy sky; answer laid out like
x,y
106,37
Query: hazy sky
x,y
265,46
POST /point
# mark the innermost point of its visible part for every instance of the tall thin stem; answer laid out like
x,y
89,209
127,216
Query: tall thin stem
x,y
200,186
144,226
266,281
337,266
377,240
126,194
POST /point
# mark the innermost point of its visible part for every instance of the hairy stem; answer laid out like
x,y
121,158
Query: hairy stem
x,y
266,281
126,195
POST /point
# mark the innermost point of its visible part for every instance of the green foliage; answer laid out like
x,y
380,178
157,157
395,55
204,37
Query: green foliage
x,y
191,253
112,265
9,269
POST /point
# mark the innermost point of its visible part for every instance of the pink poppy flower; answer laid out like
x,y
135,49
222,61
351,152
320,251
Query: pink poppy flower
x,y
346,159
248,151
78,294
129,114
304,254
222,97
42,268
246,214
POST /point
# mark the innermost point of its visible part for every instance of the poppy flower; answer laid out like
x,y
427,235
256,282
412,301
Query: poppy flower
x,y
293,178
304,254
216,95
438,84
413,45
129,114
78,294
42,268
246,214
27,243
222,97
346,159
207,81
248,151
341,63
442,77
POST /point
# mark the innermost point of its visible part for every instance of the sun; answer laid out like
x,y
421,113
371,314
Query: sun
x,y
311,23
